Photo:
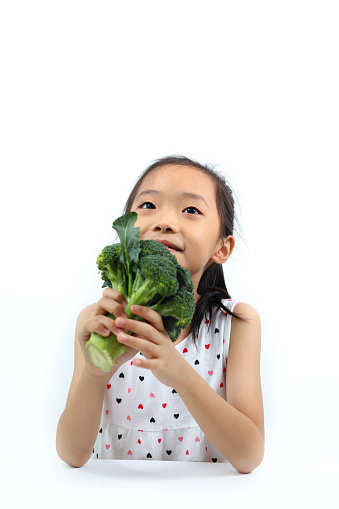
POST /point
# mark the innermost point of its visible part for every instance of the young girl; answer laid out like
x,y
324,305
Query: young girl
x,y
163,400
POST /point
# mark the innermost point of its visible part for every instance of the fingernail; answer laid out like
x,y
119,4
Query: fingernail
x,y
122,338
121,321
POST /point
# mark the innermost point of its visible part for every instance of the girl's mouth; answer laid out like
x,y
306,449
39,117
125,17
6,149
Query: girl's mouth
x,y
170,246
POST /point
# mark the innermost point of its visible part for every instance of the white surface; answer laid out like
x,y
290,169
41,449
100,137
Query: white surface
x,y
143,484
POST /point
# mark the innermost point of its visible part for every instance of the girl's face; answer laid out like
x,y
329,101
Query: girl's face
x,y
176,206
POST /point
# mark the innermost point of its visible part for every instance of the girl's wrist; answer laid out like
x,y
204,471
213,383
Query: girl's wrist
x,y
184,375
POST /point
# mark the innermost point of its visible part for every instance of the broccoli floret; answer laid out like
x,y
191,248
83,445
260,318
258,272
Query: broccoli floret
x,y
155,278
185,279
180,307
147,274
111,267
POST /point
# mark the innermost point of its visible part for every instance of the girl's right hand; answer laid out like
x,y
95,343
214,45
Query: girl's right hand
x,y
112,302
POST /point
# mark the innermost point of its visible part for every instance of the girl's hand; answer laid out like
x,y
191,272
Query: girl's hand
x,y
112,302
152,340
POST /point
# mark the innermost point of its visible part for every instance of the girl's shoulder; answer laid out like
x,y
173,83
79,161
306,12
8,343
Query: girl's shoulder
x,y
239,308
246,312
242,315
247,325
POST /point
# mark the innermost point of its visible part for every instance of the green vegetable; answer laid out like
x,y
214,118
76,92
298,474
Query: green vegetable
x,y
147,274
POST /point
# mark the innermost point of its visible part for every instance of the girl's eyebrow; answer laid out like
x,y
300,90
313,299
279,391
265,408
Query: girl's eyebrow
x,y
147,191
194,196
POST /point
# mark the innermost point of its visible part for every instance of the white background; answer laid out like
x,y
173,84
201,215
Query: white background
x,y
93,92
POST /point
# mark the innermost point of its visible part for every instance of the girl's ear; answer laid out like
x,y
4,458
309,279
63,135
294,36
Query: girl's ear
x,y
224,251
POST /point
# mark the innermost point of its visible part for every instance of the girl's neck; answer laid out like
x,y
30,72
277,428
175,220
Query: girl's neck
x,y
183,335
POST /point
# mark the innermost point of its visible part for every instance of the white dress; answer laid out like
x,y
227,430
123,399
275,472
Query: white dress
x,y
144,419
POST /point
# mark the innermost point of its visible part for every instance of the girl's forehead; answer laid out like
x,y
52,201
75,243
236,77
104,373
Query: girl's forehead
x,y
182,176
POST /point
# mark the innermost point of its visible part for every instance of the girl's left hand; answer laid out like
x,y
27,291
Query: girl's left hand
x,y
151,339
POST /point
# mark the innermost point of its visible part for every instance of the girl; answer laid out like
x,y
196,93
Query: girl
x,y
164,400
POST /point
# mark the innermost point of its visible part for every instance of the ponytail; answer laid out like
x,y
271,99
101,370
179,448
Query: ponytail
x,y
212,291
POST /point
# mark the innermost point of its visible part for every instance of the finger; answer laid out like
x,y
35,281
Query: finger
x,y
144,329
151,364
107,305
102,325
149,315
114,295
147,348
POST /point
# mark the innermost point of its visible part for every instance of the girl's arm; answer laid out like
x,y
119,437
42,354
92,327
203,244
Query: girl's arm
x,y
79,423
236,426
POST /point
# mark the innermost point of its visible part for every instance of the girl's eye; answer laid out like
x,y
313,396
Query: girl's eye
x,y
192,210
147,205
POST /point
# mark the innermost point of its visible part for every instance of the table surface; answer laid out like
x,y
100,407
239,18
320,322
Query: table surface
x,y
29,481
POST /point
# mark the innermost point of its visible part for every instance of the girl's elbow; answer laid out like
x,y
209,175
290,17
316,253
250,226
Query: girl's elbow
x,y
248,465
247,469
77,462
73,460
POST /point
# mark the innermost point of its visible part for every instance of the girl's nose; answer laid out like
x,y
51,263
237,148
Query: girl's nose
x,y
166,225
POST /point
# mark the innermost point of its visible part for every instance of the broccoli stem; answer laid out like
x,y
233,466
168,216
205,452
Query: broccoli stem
x,y
103,352
142,296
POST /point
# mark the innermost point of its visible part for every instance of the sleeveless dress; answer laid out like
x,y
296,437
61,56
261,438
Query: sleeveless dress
x,y
144,419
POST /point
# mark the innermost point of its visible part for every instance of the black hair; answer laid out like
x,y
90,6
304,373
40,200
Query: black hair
x,y
212,287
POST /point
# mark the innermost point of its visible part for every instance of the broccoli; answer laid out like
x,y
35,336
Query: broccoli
x,y
147,274
111,268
